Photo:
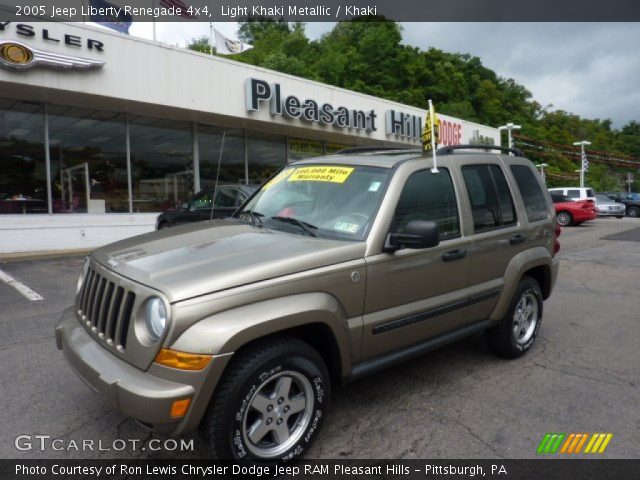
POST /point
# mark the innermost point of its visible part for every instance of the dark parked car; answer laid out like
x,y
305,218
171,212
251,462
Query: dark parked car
x,y
198,208
572,212
631,201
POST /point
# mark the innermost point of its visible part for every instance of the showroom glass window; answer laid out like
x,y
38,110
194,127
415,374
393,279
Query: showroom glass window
x,y
161,163
232,164
88,161
23,174
300,148
266,154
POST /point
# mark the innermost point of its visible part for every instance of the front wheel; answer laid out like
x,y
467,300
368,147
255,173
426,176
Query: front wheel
x,y
564,218
633,211
517,331
269,404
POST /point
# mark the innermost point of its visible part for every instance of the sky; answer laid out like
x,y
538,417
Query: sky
x,y
591,69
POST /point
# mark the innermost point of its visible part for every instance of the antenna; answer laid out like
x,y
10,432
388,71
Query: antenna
x,y
432,120
215,185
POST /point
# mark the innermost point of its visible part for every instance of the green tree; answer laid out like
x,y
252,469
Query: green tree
x,y
200,44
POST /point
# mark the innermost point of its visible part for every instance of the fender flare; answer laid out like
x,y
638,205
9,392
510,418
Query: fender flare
x,y
226,332
521,263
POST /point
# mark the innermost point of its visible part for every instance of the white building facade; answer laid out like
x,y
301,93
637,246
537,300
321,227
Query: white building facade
x,y
100,132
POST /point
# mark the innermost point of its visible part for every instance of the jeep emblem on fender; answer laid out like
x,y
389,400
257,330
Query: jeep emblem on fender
x,y
17,56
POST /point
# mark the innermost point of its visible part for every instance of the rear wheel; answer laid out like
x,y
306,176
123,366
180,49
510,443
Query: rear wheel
x,y
163,225
517,331
564,218
269,404
633,211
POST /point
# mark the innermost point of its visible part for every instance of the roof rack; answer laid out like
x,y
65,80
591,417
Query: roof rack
x,y
451,149
350,150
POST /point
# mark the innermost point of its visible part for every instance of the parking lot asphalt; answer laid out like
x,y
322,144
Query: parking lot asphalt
x,y
582,375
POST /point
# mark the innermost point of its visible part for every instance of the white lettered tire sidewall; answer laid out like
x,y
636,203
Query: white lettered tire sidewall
x,y
319,381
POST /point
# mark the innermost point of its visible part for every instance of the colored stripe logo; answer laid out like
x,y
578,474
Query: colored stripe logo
x,y
573,443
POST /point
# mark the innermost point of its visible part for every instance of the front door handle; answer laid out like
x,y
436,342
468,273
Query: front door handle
x,y
454,255
517,238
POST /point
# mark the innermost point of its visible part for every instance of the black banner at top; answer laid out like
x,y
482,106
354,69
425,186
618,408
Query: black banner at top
x,y
324,10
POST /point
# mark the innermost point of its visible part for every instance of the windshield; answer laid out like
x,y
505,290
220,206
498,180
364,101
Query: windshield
x,y
329,201
603,198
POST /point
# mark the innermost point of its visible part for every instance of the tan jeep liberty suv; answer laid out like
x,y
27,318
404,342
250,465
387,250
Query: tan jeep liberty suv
x,y
336,267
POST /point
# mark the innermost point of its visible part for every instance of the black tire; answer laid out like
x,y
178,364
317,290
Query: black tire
x,y
619,216
250,374
502,339
633,211
564,218
163,225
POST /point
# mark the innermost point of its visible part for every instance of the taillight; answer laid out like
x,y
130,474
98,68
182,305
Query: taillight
x,y
556,243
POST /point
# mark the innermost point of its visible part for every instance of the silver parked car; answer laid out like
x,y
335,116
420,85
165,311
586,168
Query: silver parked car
x,y
608,207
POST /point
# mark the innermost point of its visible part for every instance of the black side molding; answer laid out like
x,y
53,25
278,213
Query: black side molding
x,y
420,317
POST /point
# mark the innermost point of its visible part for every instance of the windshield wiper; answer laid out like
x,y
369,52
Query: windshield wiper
x,y
256,219
307,227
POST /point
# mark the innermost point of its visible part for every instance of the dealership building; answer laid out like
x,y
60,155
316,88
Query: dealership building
x,y
100,131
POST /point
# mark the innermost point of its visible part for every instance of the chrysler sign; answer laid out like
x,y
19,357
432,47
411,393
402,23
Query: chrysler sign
x,y
16,55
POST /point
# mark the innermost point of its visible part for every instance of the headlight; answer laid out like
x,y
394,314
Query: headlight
x,y
83,274
155,318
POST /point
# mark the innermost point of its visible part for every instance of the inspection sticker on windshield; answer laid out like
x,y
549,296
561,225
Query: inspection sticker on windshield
x,y
374,186
321,174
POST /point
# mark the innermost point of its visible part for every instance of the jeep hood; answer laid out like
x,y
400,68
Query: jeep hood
x,y
206,257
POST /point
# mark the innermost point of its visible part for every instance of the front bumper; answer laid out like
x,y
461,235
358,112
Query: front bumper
x,y
611,213
146,396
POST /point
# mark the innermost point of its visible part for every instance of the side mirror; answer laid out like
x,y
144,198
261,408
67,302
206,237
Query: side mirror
x,y
417,234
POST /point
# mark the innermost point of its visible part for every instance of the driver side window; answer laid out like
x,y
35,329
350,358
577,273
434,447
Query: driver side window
x,y
201,201
429,196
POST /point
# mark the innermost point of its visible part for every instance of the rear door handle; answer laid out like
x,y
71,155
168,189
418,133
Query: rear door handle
x,y
454,255
517,238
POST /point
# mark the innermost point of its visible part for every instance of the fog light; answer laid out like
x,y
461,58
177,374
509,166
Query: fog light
x,y
179,407
182,360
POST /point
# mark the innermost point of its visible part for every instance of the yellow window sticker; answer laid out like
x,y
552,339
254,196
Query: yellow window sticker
x,y
278,178
321,174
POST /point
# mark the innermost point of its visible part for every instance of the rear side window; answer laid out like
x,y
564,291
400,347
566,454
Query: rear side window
x,y
573,193
534,201
429,196
559,198
491,202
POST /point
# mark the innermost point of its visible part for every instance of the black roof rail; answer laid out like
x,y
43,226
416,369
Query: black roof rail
x,y
350,150
452,148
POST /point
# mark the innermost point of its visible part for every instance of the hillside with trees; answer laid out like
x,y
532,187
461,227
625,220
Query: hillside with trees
x,y
367,55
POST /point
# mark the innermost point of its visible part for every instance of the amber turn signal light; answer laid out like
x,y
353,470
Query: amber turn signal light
x,y
179,407
182,360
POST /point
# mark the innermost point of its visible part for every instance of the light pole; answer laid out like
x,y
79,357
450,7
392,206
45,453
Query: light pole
x,y
541,167
583,159
508,127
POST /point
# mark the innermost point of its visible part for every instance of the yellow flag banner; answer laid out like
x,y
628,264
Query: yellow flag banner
x,y
430,129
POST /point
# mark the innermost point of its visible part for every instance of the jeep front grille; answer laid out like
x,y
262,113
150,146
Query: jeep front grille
x,y
106,308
